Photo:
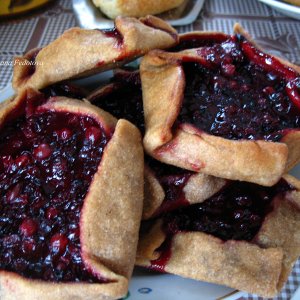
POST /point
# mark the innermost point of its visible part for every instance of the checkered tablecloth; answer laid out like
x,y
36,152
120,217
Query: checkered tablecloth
x,y
277,34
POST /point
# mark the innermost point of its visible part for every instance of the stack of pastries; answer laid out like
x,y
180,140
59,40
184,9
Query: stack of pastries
x,y
179,165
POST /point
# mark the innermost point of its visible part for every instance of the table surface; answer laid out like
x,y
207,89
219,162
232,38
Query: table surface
x,y
275,32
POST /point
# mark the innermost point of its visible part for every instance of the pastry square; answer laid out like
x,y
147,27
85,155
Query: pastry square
x,y
80,52
245,236
166,187
225,109
72,194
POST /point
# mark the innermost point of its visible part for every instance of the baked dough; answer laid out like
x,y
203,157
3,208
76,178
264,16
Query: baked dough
x,y
294,2
80,52
122,97
163,83
135,8
111,212
260,266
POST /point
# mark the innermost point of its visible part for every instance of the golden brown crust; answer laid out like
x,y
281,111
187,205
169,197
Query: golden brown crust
x,y
80,52
260,161
198,187
154,194
110,215
292,140
294,2
259,267
201,187
135,8
281,229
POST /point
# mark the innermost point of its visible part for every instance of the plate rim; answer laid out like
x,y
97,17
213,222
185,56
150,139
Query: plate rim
x,y
281,5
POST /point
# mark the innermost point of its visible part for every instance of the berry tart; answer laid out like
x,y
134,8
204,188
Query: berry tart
x,y
246,236
224,108
80,52
71,188
166,187
135,8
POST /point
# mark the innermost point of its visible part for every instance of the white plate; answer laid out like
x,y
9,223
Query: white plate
x,y
90,17
146,285
285,8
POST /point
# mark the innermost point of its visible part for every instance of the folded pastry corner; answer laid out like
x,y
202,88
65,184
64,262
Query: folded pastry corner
x,y
250,243
72,191
81,52
166,187
222,107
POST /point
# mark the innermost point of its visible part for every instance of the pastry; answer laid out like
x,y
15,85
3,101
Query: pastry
x,y
80,52
166,187
71,199
226,109
294,2
135,8
245,237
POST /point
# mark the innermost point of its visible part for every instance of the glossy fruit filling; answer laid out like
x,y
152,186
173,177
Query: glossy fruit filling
x,y
47,163
235,213
114,33
173,180
124,100
191,40
65,89
237,92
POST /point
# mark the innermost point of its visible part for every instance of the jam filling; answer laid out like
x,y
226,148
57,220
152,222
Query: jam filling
x,y
48,160
173,180
126,102
65,89
190,41
237,92
114,33
235,213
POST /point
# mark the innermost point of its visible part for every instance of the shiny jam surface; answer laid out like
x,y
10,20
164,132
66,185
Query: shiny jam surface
x,y
65,89
47,162
238,92
173,180
125,101
235,213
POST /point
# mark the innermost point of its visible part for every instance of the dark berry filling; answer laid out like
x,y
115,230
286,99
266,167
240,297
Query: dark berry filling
x,y
48,160
125,100
238,92
66,89
173,180
236,213
114,33
190,41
